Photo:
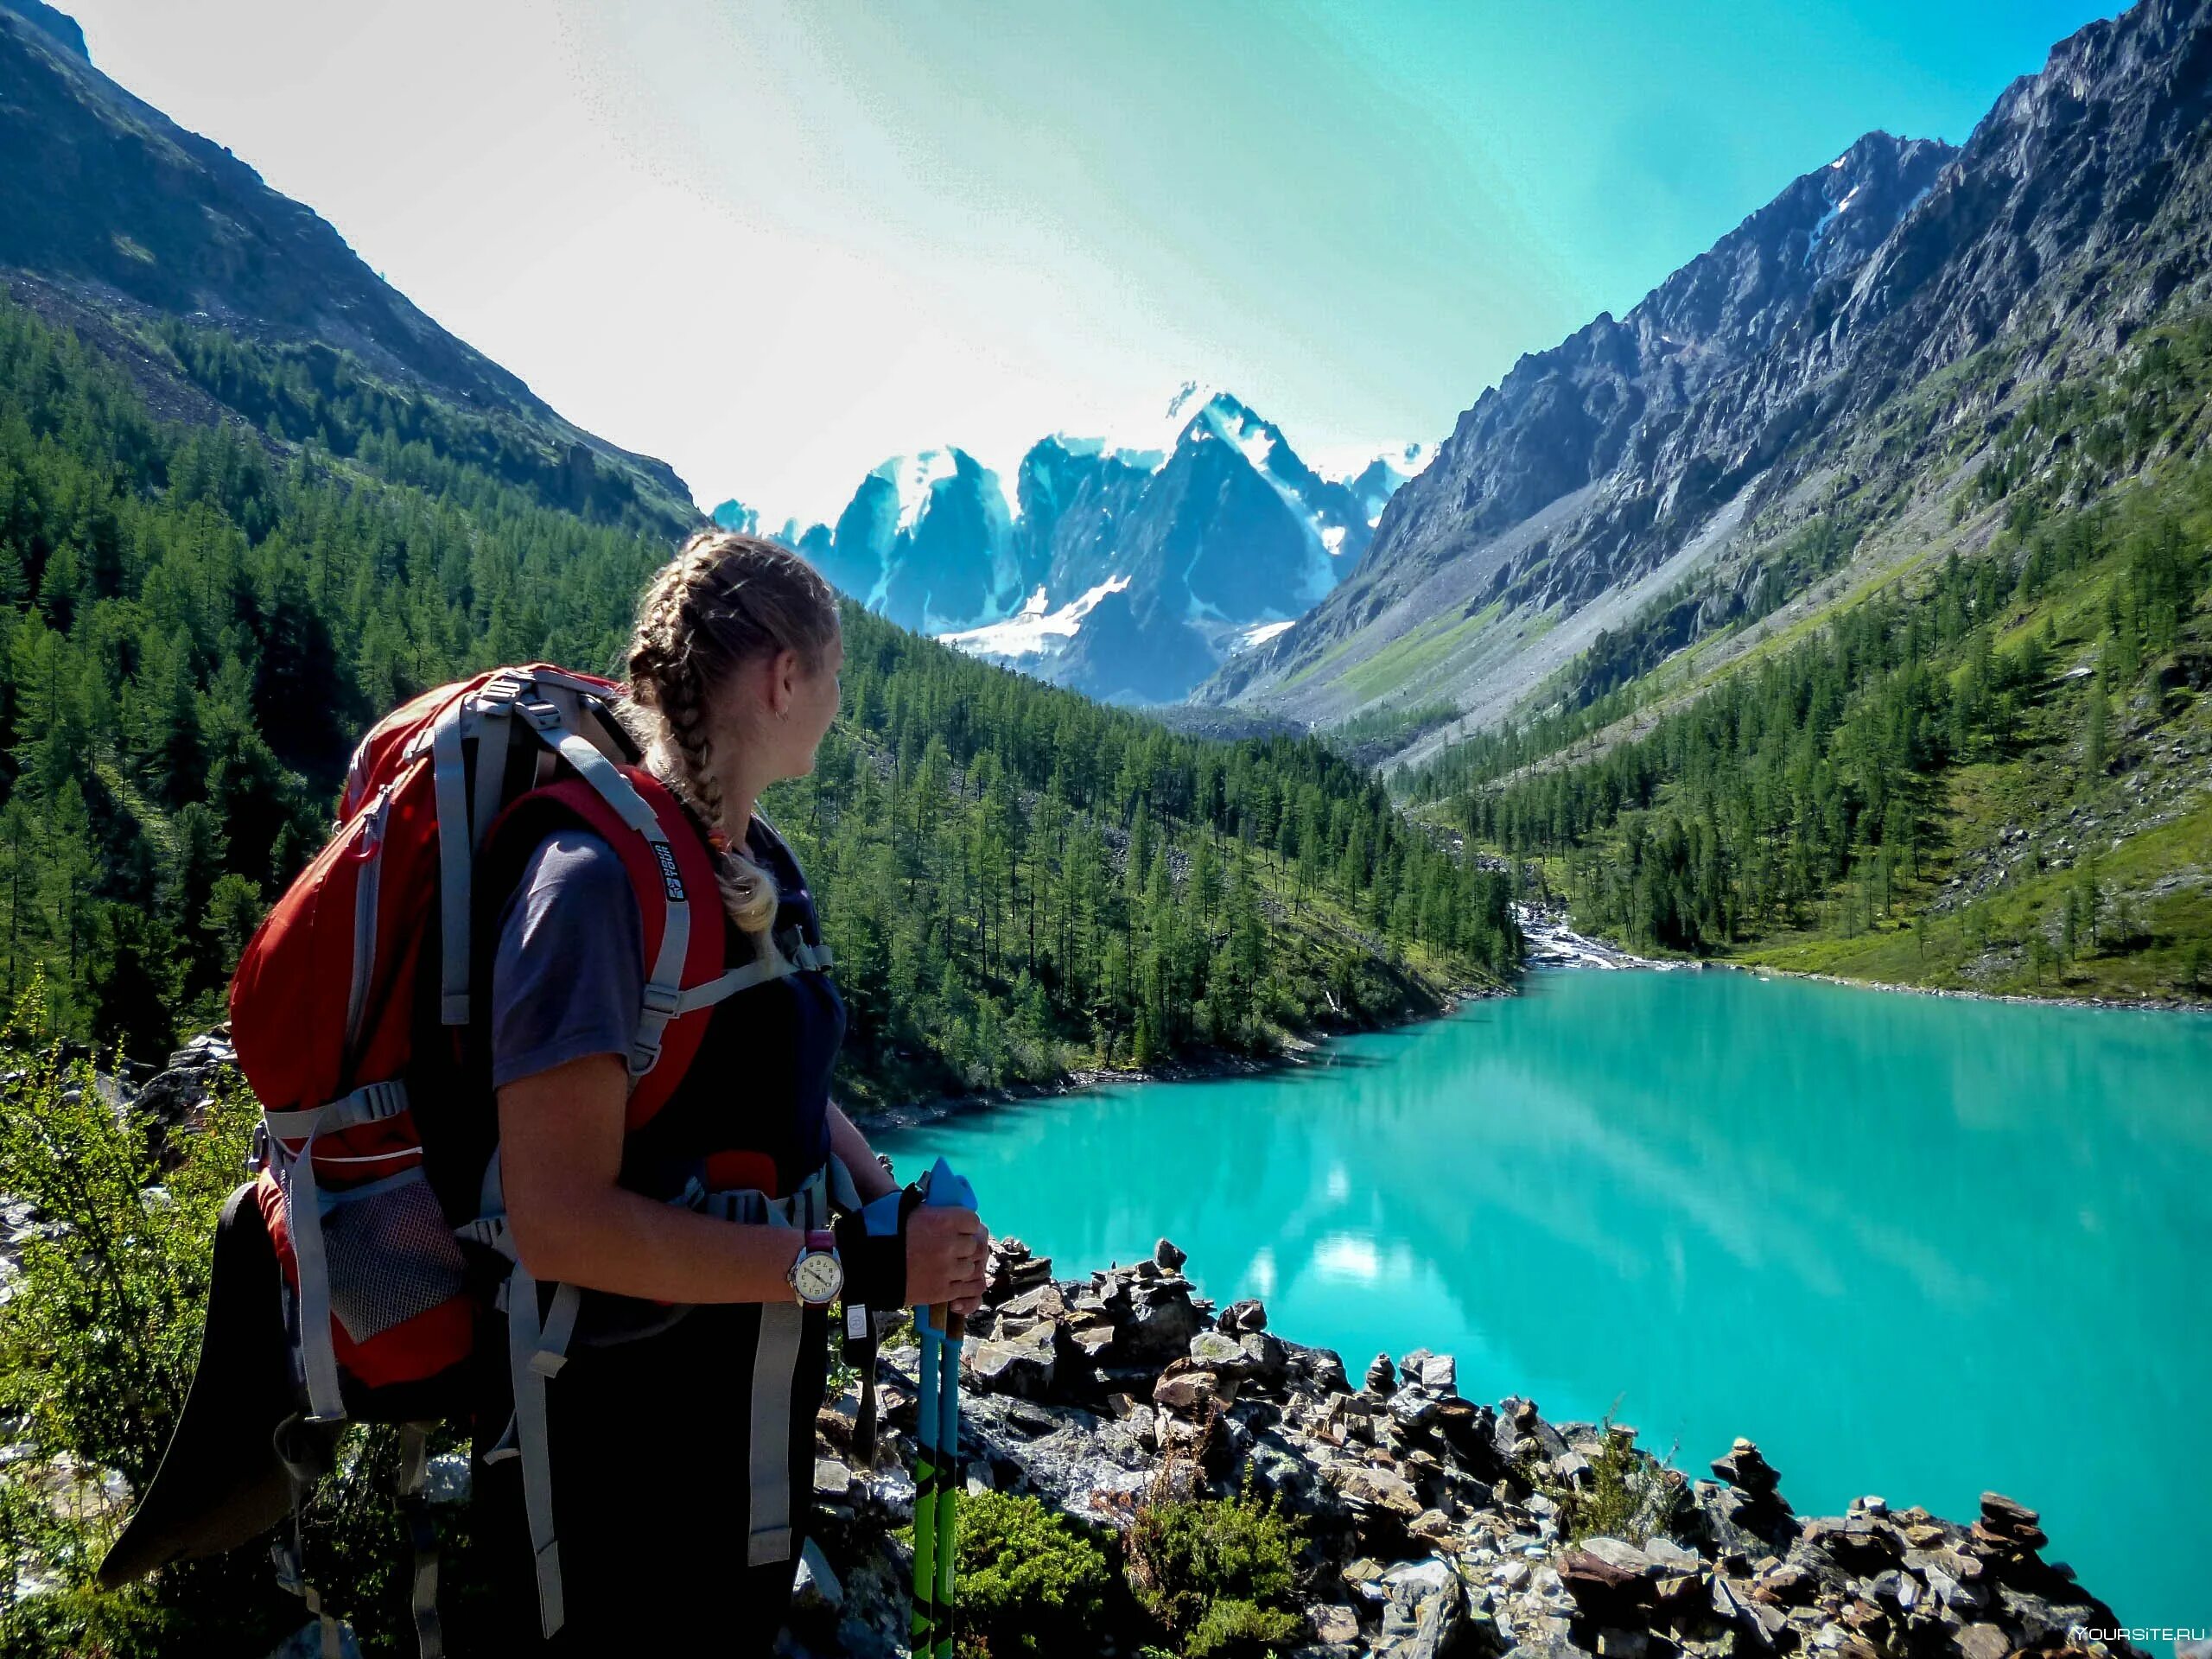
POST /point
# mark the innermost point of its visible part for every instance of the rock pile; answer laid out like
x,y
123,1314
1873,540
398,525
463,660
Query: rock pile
x,y
176,1099
1434,1525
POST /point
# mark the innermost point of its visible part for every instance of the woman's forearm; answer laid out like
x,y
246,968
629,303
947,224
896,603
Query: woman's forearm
x,y
617,1240
571,1220
849,1145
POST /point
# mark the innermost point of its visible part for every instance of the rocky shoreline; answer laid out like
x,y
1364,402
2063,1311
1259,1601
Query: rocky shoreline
x,y
1433,1525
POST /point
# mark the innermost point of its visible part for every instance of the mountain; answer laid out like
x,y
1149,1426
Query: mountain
x,y
1127,574
110,213
250,498
1588,465
1677,451
1886,650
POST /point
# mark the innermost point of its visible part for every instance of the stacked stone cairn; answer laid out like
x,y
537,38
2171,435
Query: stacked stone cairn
x,y
1433,1525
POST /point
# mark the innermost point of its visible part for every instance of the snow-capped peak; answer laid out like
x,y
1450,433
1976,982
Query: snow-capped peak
x,y
914,477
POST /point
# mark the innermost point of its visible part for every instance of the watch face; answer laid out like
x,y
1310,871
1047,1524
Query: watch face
x,y
817,1277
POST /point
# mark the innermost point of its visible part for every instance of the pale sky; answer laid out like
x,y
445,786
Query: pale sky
x,y
775,244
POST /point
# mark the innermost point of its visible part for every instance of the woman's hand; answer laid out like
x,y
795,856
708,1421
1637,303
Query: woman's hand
x,y
945,1248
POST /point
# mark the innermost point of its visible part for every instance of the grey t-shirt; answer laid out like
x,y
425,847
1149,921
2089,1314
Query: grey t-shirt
x,y
570,968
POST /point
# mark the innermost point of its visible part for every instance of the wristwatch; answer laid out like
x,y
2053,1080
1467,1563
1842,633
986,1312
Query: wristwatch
x,y
817,1275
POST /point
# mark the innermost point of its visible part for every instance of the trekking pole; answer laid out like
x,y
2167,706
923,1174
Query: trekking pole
x,y
922,1629
937,1445
948,1481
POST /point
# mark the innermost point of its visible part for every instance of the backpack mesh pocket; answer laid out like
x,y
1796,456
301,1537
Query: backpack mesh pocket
x,y
390,1252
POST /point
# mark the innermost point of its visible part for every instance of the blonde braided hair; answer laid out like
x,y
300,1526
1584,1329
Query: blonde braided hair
x,y
724,599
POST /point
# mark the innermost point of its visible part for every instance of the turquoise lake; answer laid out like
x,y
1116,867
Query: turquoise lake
x,y
1912,1246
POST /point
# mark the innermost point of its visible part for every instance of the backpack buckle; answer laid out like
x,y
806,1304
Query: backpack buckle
x,y
666,1001
541,714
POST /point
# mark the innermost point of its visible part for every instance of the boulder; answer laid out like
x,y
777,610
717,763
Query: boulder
x,y
1315,1371
1367,1486
1023,1365
1158,1325
1332,1623
1246,1315
1190,1392
1606,1577
1217,1352
1266,1359
833,1480
1380,1376
1167,1258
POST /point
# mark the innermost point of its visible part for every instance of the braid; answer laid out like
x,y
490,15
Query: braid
x,y
724,599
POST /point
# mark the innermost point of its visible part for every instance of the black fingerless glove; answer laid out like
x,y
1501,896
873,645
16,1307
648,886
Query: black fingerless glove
x,y
871,1246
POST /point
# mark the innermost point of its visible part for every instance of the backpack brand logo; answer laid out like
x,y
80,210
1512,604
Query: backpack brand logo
x,y
669,879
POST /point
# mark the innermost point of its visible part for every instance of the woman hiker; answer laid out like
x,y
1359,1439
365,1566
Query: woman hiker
x,y
680,1423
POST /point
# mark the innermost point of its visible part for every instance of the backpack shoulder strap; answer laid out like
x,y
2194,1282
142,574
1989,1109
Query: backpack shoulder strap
x,y
801,943
634,813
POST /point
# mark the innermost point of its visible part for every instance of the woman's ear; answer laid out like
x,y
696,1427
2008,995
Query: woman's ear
x,y
784,685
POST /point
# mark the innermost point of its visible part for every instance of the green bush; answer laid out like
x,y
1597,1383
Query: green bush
x,y
1029,1582
1630,1495
1217,1575
98,1335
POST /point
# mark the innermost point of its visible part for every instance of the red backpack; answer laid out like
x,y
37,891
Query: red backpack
x,y
351,999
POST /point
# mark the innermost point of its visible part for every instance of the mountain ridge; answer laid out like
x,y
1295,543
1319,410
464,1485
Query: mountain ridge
x,y
1127,574
108,208
2070,216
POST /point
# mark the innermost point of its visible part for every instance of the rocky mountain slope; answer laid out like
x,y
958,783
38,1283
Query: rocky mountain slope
x,y
1129,574
109,212
1677,452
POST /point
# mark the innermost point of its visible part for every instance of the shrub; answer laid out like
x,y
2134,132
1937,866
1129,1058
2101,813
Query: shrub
x,y
1631,1495
1217,1575
99,1332
1029,1581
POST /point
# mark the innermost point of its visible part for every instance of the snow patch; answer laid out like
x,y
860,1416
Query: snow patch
x,y
1820,226
1258,634
1034,630
1333,538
